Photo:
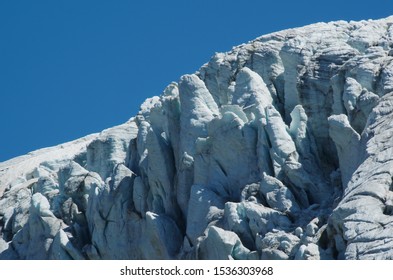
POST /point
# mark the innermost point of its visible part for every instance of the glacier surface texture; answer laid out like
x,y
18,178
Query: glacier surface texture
x,y
281,148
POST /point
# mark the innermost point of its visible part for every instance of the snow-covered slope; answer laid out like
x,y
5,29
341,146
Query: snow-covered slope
x,y
278,149
20,169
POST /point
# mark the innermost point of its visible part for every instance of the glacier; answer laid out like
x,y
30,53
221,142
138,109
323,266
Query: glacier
x,y
278,149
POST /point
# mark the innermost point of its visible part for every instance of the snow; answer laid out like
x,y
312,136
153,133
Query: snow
x,y
278,149
17,170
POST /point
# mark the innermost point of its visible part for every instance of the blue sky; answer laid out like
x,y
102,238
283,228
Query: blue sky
x,y
71,68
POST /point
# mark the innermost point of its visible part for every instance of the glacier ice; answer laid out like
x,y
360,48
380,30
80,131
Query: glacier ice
x,y
278,149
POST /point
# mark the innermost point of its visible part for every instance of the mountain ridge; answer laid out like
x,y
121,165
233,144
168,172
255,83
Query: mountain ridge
x,y
268,151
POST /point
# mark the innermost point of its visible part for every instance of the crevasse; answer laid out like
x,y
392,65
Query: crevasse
x,y
278,149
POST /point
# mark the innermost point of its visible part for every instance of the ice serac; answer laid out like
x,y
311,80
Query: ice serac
x,y
362,222
278,149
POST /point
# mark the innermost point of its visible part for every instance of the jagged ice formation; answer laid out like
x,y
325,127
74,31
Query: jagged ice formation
x,y
279,149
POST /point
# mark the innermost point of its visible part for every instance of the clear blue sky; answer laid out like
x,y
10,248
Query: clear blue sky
x,y
71,68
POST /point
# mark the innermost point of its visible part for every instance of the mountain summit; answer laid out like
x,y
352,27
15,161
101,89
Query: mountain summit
x,y
278,149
